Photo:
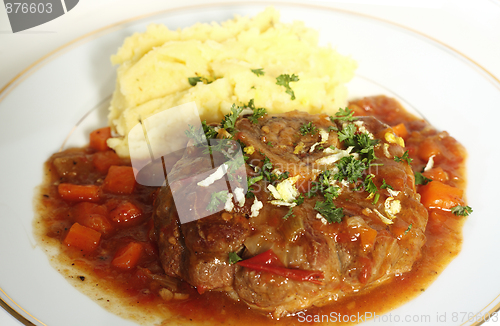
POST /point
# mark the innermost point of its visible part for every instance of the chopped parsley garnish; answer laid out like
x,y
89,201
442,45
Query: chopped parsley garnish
x,y
369,185
257,112
461,210
229,120
385,185
200,137
258,72
323,185
298,201
216,199
420,179
406,157
270,144
234,258
285,80
250,182
408,229
350,169
195,80
308,128
209,131
343,115
347,133
266,171
329,211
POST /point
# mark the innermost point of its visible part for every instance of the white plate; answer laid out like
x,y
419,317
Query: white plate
x,y
39,110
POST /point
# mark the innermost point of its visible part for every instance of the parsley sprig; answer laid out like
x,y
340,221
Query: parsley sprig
x,y
420,179
285,80
329,211
308,128
461,210
406,157
343,115
216,199
258,72
234,258
257,112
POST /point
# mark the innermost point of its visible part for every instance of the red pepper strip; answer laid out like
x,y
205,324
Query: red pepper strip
x,y
265,258
269,262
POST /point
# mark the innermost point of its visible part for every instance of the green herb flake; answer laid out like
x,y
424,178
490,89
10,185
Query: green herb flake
x,y
376,198
406,157
229,120
408,229
461,210
420,179
385,185
285,80
258,72
195,80
369,184
234,258
216,199
350,169
329,211
343,115
308,128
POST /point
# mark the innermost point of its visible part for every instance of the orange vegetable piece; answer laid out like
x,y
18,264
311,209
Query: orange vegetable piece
x,y
72,192
128,256
99,137
437,174
428,148
400,130
120,180
441,196
367,237
82,237
104,160
126,214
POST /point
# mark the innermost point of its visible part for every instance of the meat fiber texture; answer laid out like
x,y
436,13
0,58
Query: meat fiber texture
x,y
374,241
155,67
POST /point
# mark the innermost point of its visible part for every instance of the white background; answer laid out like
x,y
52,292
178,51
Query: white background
x,y
471,27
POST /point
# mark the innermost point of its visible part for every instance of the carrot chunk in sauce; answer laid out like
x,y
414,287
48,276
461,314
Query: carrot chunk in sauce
x,y
82,237
71,192
104,160
400,130
441,196
120,180
99,137
128,256
126,214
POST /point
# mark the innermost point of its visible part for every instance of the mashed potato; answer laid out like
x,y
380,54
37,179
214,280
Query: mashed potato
x,y
155,67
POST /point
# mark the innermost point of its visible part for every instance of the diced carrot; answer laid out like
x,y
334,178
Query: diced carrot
x,y
82,237
437,174
120,180
441,196
128,256
126,214
400,130
99,137
104,160
428,148
72,192
367,237
93,216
